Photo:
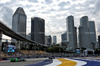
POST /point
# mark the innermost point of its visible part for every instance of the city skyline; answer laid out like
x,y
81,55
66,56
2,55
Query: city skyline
x,y
47,11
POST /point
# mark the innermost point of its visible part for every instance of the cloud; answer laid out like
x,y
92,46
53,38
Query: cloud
x,y
97,7
98,26
34,1
6,15
64,3
48,1
4,1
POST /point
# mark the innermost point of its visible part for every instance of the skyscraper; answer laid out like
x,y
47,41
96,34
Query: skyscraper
x,y
71,32
48,40
99,40
38,30
19,22
92,34
64,36
54,40
84,34
75,37
64,39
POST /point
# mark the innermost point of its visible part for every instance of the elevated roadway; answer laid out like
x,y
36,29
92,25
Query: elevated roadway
x,y
9,32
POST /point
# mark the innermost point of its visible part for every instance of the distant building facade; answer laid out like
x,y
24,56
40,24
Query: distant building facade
x,y
71,33
38,30
19,25
75,37
48,40
84,33
64,40
28,36
92,34
19,22
54,40
99,41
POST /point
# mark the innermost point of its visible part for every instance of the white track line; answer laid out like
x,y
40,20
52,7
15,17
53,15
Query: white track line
x,y
79,63
54,63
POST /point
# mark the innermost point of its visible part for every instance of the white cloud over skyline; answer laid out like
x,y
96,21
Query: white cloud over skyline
x,y
54,12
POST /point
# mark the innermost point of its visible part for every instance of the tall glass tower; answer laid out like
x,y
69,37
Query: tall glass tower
x,y
71,33
19,22
38,30
84,34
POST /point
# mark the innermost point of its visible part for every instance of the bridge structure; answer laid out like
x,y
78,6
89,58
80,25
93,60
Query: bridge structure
x,y
4,29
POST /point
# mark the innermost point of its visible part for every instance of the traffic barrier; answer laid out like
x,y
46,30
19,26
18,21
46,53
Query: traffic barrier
x,y
4,58
1,59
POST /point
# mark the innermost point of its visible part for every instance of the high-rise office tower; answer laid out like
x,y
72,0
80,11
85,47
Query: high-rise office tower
x,y
54,40
84,34
19,22
99,41
48,40
92,34
64,39
38,30
75,37
71,32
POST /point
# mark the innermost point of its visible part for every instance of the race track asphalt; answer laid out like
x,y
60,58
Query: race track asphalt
x,y
45,62
27,62
53,62
68,62
90,62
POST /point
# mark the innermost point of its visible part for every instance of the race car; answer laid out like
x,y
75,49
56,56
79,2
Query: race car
x,y
17,60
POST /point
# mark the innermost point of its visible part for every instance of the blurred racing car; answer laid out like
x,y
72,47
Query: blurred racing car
x,y
17,60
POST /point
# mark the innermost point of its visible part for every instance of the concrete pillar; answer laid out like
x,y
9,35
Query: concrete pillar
x,y
27,45
1,40
23,44
18,45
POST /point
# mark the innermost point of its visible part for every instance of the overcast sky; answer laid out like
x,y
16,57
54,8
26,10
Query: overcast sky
x,y
54,12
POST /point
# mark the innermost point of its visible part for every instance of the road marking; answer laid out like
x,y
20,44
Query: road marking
x,y
66,62
54,63
90,63
79,63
